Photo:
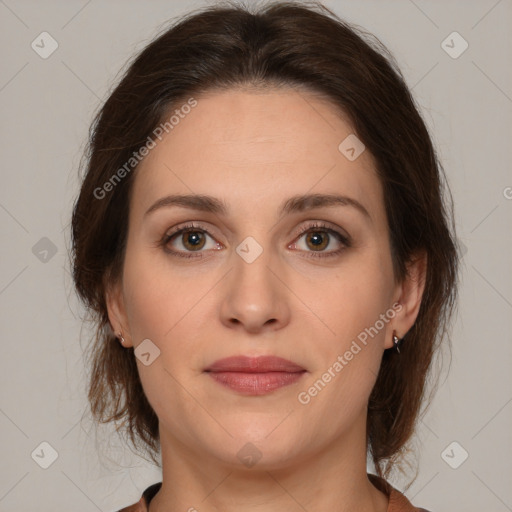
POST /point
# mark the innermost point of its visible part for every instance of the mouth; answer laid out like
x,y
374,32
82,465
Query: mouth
x,y
255,375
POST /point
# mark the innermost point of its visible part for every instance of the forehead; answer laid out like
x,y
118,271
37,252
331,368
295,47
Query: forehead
x,y
251,147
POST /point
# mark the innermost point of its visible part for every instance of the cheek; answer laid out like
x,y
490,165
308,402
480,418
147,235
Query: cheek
x,y
157,298
351,298
348,353
159,305
347,358
169,308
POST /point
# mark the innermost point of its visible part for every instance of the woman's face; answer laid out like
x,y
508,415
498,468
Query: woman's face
x,y
245,281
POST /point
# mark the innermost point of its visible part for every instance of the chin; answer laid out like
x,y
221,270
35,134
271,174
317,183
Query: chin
x,y
263,447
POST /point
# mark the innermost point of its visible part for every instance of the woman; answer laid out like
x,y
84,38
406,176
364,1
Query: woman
x,y
262,239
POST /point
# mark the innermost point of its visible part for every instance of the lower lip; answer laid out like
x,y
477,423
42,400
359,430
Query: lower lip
x,y
255,383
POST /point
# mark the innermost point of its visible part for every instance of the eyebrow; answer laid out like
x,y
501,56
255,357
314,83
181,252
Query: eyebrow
x,y
294,204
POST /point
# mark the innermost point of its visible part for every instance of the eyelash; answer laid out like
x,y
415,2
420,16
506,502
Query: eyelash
x,y
192,227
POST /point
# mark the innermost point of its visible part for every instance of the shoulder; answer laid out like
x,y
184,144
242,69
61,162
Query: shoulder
x,y
398,502
145,499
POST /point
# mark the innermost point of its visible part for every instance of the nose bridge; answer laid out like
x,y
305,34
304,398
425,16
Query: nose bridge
x,y
255,294
252,260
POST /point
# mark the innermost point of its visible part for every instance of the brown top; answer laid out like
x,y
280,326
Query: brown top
x,y
397,501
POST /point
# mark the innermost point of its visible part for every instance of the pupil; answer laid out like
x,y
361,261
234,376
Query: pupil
x,y
195,239
317,239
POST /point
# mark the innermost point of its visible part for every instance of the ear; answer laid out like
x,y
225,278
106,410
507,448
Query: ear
x,y
117,312
409,294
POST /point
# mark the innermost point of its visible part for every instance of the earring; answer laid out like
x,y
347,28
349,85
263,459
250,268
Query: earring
x,y
121,339
397,341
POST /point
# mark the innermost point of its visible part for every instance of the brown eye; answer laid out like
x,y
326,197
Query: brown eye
x,y
319,240
193,240
314,239
189,242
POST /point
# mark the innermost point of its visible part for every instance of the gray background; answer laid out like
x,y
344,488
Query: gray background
x,y
47,106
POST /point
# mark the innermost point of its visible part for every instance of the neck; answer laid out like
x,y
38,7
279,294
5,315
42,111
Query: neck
x,y
332,478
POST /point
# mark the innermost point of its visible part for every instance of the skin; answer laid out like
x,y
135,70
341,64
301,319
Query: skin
x,y
253,150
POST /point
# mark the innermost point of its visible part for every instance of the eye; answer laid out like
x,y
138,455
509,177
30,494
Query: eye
x,y
318,237
188,239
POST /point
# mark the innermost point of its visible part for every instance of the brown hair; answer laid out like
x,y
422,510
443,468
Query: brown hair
x,y
279,44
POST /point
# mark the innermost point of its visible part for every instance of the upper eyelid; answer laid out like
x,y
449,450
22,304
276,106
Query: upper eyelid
x,y
299,232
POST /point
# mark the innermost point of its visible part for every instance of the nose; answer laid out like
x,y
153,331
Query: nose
x,y
256,298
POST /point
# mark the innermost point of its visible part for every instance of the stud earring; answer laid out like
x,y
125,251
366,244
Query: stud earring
x,y
121,339
397,341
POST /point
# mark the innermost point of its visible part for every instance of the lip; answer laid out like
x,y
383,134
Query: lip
x,y
259,364
255,375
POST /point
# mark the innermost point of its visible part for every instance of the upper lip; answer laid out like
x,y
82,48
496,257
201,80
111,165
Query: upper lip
x,y
260,364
